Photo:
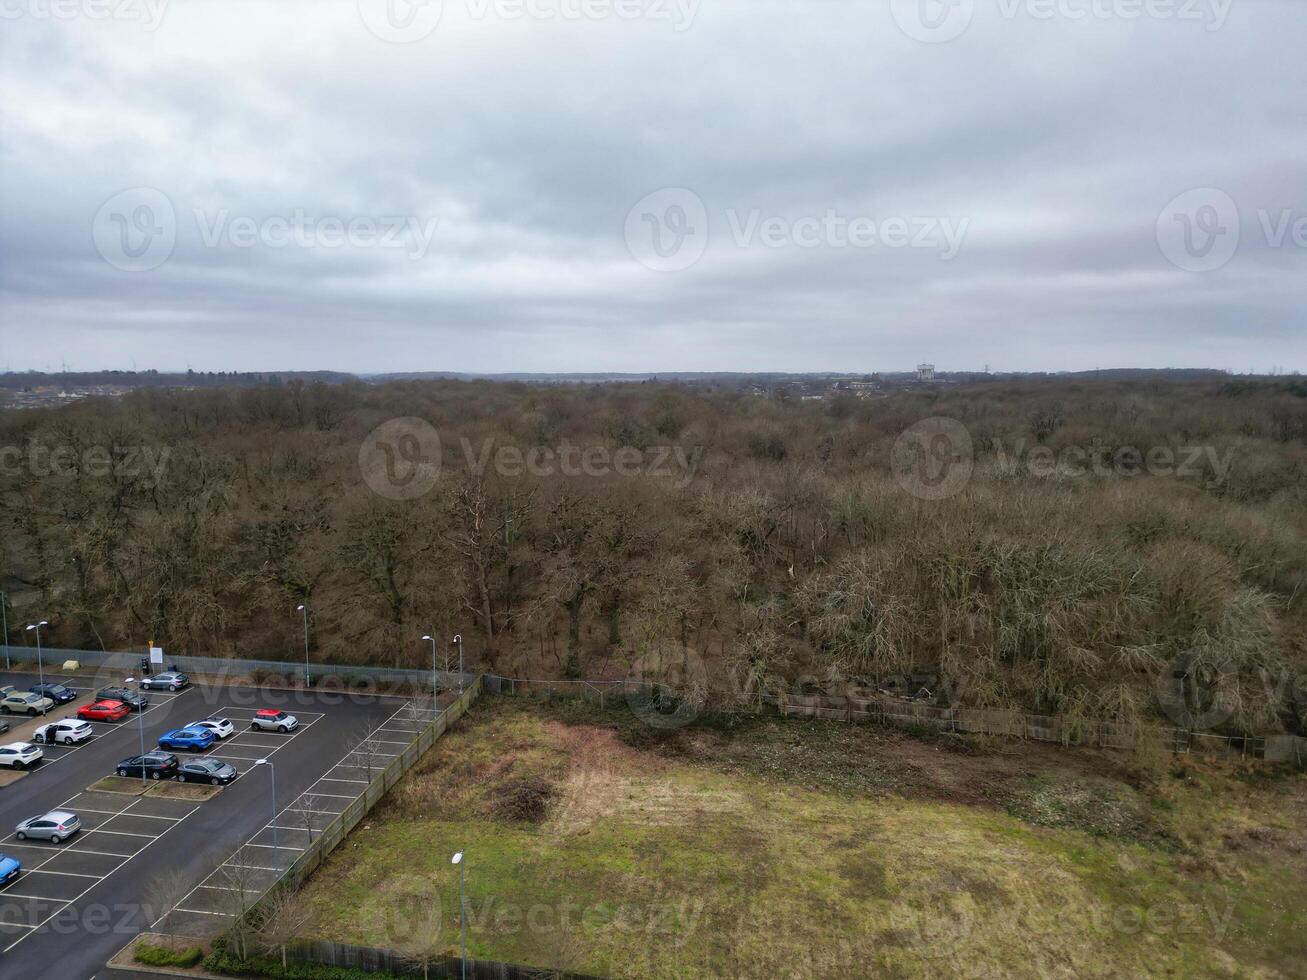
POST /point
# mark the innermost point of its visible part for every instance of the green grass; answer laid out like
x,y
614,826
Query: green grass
x,y
737,850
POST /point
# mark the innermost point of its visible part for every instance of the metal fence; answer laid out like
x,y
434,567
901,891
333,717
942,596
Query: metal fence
x,y
289,670
336,831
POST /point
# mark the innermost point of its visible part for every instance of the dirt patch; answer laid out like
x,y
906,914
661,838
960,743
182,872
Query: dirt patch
x,y
10,776
183,791
118,784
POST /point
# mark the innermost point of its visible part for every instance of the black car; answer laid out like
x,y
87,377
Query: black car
x,y
55,692
156,765
213,771
134,701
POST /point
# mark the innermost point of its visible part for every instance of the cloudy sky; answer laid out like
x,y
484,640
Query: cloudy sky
x,y
556,185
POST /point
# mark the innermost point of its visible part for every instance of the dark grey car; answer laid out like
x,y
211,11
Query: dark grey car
x,y
212,771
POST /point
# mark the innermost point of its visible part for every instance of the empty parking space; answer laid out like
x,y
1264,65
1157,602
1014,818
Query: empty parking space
x,y
83,862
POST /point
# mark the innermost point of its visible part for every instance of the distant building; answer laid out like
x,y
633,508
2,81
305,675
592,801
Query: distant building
x,y
926,372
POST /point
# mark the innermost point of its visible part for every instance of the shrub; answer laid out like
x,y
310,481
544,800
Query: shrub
x,y
152,955
221,961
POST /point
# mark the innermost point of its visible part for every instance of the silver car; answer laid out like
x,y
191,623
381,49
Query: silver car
x,y
55,826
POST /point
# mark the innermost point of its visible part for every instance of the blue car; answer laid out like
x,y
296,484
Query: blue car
x,y
9,868
195,739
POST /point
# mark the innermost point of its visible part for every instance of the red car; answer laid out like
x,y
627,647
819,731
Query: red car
x,y
103,711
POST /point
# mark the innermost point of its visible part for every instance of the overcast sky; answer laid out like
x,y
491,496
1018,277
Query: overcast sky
x,y
559,185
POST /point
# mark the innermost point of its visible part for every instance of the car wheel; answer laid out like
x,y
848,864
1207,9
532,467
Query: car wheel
x,y
122,772
20,765
283,729
38,738
55,838
68,740
216,781
20,835
253,727
173,688
154,775
31,712
4,708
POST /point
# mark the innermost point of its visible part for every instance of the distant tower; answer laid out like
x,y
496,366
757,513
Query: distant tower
x,y
925,372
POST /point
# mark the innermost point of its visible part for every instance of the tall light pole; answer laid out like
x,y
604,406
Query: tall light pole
x,y
458,642
462,911
40,669
304,608
435,686
273,772
4,617
140,717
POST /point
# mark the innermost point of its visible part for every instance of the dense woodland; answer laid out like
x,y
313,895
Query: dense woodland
x,y
792,550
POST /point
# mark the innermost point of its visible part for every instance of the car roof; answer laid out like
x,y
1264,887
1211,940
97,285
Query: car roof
x,y
270,711
60,815
106,701
20,746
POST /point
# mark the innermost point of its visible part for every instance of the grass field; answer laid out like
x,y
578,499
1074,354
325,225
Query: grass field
x,y
798,849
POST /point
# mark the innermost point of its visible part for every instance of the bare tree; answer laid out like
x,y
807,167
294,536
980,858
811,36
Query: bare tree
x,y
165,892
369,752
238,880
420,937
308,814
284,919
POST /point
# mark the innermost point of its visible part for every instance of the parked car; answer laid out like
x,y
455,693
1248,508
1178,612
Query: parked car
x,y
9,868
25,703
4,727
169,680
55,692
221,727
64,732
133,700
19,755
55,826
104,711
273,720
156,765
213,771
194,739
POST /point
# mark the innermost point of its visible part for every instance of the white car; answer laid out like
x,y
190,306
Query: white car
x,y
273,720
220,727
19,755
64,732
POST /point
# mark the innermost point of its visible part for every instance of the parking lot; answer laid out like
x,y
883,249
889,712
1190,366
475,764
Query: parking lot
x,y
108,882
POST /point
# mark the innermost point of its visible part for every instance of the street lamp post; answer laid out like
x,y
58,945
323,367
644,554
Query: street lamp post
x,y
458,642
140,717
40,668
462,912
4,618
304,608
435,687
273,772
